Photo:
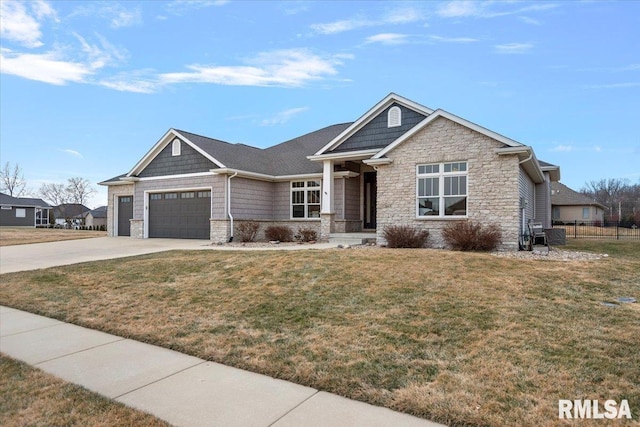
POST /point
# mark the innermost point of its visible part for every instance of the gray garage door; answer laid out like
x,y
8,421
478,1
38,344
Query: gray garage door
x,y
180,214
125,213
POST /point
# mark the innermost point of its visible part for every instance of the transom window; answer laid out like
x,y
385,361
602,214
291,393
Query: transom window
x,y
305,199
442,189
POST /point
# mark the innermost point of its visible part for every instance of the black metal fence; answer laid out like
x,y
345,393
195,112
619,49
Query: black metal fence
x,y
598,230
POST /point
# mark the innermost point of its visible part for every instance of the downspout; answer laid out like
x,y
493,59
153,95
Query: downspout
x,y
524,206
229,204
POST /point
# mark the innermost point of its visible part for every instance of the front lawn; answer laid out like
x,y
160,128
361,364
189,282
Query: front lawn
x,y
10,236
459,338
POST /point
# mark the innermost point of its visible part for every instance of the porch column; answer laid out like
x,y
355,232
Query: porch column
x,y
327,213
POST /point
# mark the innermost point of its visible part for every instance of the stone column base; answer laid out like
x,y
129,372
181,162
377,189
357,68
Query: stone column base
x,y
137,228
220,230
327,224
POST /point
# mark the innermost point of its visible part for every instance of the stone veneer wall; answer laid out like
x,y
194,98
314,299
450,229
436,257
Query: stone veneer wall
x,y
492,187
114,191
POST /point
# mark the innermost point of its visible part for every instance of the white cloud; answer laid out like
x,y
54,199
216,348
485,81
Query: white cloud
x,y
47,67
122,17
563,148
528,20
134,85
100,56
283,116
17,24
289,68
387,38
453,39
615,85
74,153
396,16
178,7
513,48
488,9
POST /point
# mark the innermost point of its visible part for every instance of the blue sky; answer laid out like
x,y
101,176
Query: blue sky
x,y
87,88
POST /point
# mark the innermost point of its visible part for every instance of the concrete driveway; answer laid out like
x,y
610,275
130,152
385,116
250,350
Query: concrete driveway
x,y
44,255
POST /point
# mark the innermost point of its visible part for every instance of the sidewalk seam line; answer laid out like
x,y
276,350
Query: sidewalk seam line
x,y
80,351
36,329
160,379
294,408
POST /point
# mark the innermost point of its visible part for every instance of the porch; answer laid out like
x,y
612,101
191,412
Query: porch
x,y
351,239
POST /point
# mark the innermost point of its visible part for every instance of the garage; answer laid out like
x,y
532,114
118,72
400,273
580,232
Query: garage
x,y
180,214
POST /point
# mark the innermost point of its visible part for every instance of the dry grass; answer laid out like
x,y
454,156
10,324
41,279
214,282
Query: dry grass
x,y
31,397
10,236
460,338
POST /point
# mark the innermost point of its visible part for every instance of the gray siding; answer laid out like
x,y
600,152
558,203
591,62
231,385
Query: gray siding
x,y
189,161
376,134
8,217
282,201
338,197
251,199
527,190
352,199
543,202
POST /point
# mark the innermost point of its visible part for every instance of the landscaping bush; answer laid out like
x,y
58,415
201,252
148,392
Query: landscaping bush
x,y
471,236
403,236
247,231
280,233
307,235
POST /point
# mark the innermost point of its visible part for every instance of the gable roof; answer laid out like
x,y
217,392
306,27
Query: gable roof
x,y
369,116
287,158
99,212
561,195
7,200
69,210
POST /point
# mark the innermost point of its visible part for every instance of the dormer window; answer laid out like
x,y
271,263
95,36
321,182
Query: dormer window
x,y
394,117
175,147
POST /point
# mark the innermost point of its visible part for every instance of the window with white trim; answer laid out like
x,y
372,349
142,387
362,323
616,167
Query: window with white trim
x,y
394,117
176,147
441,189
585,213
305,199
21,213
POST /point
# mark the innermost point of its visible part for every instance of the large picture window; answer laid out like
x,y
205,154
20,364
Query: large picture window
x,y
442,189
305,199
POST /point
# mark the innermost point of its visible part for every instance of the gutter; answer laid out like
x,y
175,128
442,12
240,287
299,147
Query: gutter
x,y
229,203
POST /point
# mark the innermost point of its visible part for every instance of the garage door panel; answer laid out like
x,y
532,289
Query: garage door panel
x,y
176,216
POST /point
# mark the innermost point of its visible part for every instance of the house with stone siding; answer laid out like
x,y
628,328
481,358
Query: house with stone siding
x,y
399,163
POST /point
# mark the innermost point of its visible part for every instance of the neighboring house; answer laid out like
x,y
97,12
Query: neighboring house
x,y
96,217
70,214
400,163
23,211
569,205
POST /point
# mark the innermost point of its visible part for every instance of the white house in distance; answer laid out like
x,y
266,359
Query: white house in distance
x,y
399,163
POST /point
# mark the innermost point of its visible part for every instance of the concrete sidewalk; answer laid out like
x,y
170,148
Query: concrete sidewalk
x,y
181,389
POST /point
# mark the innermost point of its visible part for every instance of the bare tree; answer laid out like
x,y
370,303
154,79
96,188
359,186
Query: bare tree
x,y
56,194
79,190
13,180
621,198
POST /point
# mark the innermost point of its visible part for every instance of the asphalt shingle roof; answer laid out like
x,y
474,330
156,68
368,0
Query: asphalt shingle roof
x,y
561,195
6,199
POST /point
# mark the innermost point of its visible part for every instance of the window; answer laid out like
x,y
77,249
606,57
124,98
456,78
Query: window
x,y
125,199
442,189
556,212
204,194
175,147
21,213
305,199
170,196
188,195
157,196
585,213
394,117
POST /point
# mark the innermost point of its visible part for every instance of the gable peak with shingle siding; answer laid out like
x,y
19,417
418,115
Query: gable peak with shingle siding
x,y
377,134
165,163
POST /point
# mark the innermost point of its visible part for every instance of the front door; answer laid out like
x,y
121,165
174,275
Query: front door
x,y
370,192
125,213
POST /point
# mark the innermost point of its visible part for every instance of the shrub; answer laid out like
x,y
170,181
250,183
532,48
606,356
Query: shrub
x,y
247,231
403,236
471,236
280,233
307,235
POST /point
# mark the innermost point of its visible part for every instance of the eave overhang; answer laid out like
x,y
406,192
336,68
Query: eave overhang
x,y
279,178
527,159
